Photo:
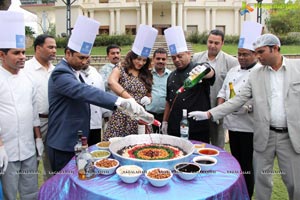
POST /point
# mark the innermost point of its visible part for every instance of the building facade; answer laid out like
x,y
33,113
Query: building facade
x,y
124,16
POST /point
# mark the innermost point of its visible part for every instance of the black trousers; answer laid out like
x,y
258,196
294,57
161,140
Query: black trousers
x,y
241,146
58,159
94,136
159,117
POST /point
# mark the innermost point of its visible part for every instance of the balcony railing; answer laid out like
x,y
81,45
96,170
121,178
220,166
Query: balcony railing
x,y
28,2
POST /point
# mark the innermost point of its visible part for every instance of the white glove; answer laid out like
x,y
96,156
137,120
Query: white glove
x,y
145,101
164,128
243,110
130,106
39,146
3,158
198,115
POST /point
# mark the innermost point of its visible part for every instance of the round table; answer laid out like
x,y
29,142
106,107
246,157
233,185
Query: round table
x,y
224,181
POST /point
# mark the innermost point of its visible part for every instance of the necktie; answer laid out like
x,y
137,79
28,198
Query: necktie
x,y
81,79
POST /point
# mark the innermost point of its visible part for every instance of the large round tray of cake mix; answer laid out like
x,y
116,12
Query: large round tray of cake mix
x,y
151,150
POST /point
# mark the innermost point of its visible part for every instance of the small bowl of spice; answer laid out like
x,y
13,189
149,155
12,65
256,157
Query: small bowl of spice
x,y
104,145
106,166
187,171
208,152
205,162
100,154
159,177
129,173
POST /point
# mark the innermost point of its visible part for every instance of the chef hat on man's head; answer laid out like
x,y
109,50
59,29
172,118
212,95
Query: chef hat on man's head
x,y
175,40
250,32
83,35
266,40
144,40
12,34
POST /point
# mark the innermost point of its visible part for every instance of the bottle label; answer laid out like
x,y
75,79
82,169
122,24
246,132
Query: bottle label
x,y
202,69
89,169
184,131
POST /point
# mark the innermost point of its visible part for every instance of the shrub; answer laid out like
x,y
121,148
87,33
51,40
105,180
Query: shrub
x,y
197,38
61,42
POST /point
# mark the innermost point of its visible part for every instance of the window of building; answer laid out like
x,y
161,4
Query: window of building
x,y
103,1
192,29
130,29
221,28
104,30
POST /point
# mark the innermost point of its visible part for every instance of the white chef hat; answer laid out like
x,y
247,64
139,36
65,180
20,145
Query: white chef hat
x,y
175,40
266,40
83,35
250,32
144,40
12,34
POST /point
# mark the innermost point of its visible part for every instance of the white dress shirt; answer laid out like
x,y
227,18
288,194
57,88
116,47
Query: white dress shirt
x,y
277,109
93,78
18,114
40,76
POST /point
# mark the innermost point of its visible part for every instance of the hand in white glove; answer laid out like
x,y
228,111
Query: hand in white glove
x,y
39,146
3,158
243,110
198,115
145,101
164,128
130,106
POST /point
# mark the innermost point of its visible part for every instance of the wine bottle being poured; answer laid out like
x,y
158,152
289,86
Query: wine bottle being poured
x,y
193,79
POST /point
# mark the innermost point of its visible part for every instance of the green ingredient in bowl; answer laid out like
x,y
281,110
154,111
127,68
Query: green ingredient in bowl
x,y
98,154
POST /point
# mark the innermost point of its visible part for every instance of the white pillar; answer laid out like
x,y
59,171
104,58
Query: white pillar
x,y
112,22
173,14
185,19
213,18
118,23
138,18
91,14
143,9
180,7
207,19
150,13
236,22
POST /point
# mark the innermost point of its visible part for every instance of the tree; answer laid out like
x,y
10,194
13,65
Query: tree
x,y
284,17
28,31
4,4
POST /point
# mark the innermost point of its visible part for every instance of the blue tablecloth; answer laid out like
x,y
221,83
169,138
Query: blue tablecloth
x,y
225,181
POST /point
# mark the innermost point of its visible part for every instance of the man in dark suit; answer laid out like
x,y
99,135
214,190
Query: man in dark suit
x,y
69,97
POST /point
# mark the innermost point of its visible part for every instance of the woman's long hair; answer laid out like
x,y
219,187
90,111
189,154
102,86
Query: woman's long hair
x,y
145,74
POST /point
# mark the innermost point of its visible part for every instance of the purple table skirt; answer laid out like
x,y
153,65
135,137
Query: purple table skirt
x,y
224,182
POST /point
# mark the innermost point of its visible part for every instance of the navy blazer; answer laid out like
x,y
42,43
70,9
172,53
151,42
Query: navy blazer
x,y
69,109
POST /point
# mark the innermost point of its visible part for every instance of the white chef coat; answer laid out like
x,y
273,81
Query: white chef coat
x,y
93,78
18,114
238,77
40,76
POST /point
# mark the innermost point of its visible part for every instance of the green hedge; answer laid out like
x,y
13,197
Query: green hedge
x,y
101,40
201,38
196,38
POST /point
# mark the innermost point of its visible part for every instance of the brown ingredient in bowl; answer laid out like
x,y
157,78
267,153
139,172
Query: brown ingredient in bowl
x,y
106,163
159,174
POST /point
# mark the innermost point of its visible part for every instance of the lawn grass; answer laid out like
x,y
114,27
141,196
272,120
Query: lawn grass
x,y
228,48
279,190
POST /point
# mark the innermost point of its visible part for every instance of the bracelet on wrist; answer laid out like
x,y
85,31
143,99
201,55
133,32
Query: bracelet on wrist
x,y
122,92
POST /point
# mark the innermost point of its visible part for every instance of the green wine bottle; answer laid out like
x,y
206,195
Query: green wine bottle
x,y
231,90
192,80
